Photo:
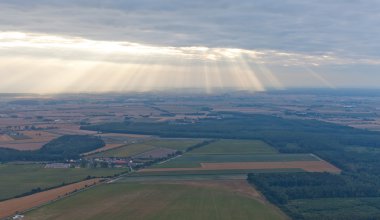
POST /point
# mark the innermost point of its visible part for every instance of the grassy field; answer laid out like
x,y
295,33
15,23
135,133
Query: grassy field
x,y
236,147
194,160
19,179
146,201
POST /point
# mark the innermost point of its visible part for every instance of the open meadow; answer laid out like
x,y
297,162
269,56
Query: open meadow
x,y
162,200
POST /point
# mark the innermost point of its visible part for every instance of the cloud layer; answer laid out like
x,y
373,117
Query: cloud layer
x,y
340,26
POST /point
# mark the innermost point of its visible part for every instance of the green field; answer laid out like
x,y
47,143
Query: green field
x,y
138,148
175,143
194,160
18,179
236,147
146,201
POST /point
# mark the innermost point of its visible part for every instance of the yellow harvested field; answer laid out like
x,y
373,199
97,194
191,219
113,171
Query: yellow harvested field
x,y
14,206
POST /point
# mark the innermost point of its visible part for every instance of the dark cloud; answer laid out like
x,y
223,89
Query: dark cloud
x,y
348,27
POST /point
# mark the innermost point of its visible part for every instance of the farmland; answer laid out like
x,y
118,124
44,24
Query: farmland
x,y
191,200
195,142
231,157
145,146
19,179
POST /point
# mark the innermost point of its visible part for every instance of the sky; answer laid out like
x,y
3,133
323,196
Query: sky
x,y
51,46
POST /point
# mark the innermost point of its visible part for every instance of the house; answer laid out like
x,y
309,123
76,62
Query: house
x,y
18,217
58,165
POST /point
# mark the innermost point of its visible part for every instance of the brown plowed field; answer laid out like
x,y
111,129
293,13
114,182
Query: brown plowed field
x,y
310,166
12,206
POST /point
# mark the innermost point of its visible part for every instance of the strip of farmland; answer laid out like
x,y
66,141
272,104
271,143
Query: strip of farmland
x,y
309,166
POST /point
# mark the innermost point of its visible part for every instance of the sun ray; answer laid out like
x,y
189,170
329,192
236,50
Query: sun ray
x,y
64,63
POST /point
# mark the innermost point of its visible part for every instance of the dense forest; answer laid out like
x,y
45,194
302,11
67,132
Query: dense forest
x,y
283,188
59,149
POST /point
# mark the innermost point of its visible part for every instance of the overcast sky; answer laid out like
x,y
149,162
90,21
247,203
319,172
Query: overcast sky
x,y
336,41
